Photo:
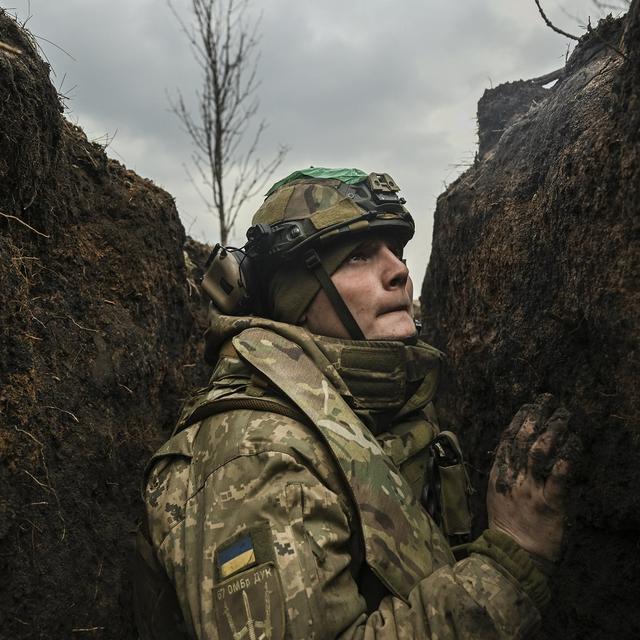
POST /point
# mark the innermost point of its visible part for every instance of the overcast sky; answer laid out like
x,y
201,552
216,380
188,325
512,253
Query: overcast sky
x,y
382,85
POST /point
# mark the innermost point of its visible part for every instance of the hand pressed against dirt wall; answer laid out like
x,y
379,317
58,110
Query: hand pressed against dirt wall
x,y
532,287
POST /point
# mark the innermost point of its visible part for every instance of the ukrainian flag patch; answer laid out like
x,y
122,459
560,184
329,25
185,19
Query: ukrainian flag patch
x,y
236,556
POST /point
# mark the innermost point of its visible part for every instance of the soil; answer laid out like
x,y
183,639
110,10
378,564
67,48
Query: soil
x,y
532,287
100,327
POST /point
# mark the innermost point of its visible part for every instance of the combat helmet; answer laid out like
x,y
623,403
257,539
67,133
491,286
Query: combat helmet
x,y
308,224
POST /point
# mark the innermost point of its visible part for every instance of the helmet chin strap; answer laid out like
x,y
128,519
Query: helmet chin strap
x,y
314,264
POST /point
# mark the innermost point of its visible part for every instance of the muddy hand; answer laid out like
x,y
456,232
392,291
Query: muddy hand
x,y
525,498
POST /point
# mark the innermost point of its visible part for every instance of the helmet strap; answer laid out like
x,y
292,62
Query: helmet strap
x,y
314,264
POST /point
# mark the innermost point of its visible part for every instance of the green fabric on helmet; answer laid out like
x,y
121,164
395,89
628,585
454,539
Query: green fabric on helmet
x,y
293,286
349,176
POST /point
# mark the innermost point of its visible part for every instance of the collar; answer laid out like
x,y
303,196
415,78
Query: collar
x,y
381,380
386,379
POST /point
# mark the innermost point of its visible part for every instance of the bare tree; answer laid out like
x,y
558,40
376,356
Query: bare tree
x,y
222,125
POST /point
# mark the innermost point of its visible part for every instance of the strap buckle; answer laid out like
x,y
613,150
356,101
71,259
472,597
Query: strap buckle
x,y
444,451
312,259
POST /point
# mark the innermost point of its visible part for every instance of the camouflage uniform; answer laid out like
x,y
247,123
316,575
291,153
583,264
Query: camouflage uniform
x,y
297,522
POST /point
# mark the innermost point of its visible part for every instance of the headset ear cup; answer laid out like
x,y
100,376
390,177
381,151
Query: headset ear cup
x,y
227,279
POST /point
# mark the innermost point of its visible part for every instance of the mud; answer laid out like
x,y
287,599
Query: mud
x,y
536,440
532,287
100,332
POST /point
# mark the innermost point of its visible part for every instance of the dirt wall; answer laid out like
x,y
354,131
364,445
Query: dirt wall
x,y
532,287
100,340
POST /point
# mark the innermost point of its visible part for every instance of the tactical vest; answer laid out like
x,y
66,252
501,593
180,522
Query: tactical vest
x,y
402,545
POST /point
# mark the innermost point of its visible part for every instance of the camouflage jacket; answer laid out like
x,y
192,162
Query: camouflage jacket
x,y
266,533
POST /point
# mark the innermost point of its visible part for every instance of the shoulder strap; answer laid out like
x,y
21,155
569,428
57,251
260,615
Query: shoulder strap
x,y
219,405
402,545
180,443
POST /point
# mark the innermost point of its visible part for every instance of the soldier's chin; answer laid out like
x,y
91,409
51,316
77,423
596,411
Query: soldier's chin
x,y
397,325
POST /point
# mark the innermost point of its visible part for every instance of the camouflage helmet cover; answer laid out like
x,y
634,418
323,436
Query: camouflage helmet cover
x,y
330,211
329,204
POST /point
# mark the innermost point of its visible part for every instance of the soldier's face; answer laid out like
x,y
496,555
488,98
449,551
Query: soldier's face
x,y
374,282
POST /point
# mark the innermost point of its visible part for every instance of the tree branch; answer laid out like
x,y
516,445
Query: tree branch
x,y
603,6
225,47
551,25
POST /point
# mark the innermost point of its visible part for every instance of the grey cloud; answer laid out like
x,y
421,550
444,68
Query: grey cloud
x,y
377,84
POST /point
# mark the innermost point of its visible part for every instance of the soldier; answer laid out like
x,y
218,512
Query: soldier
x,y
297,495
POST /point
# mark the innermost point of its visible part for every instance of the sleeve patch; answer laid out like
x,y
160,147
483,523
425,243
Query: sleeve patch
x,y
250,604
236,556
248,548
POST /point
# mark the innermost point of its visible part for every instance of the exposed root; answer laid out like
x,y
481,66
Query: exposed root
x,y
6,215
49,406
10,49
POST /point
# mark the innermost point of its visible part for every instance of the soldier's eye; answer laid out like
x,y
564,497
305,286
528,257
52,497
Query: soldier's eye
x,y
358,256
363,252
